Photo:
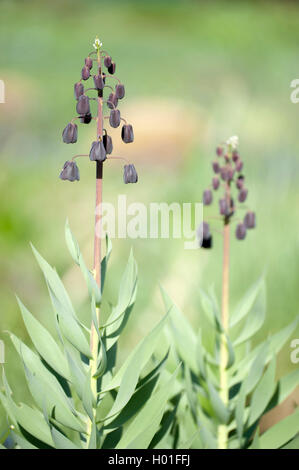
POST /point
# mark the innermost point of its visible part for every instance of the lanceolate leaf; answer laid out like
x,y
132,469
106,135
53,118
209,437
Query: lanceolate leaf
x,y
127,376
75,252
263,393
273,344
244,307
44,343
68,321
30,419
183,333
255,318
143,428
281,433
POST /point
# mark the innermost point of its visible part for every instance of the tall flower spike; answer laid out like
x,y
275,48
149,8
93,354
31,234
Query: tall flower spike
x,y
228,167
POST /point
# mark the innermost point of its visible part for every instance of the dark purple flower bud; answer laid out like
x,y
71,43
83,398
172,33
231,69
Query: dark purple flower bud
x,y
111,68
112,100
240,181
240,231
107,142
70,172
85,74
78,90
97,151
83,105
226,158
204,235
130,174
223,207
216,167
88,62
207,197
98,82
215,182
127,133
120,91
219,151
70,133
107,61
249,220
242,194
239,165
235,156
114,118
224,173
86,119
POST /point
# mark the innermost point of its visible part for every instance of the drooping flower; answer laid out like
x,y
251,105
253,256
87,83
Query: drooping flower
x,y
97,151
249,220
83,105
241,231
78,90
85,73
111,68
107,61
98,82
114,118
120,91
207,197
242,194
88,62
127,133
70,133
130,174
70,171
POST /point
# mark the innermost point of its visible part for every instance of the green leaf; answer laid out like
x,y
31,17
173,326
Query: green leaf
x,y
87,397
44,386
183,333
105,260
281,433
126,299
273,344
145,425
263,393
68,322
30,419
61,441
219,408
201,355
293,444
73,246
245,305
44,343
127,376
287,385
249,383
255,318
211,309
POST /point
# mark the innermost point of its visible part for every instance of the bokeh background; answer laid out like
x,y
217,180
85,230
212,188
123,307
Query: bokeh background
x,y
195,73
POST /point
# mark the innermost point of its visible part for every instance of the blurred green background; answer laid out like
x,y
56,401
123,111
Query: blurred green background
x,y
195,73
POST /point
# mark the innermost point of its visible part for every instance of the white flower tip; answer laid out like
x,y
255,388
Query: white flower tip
x,y
97,43
233,141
